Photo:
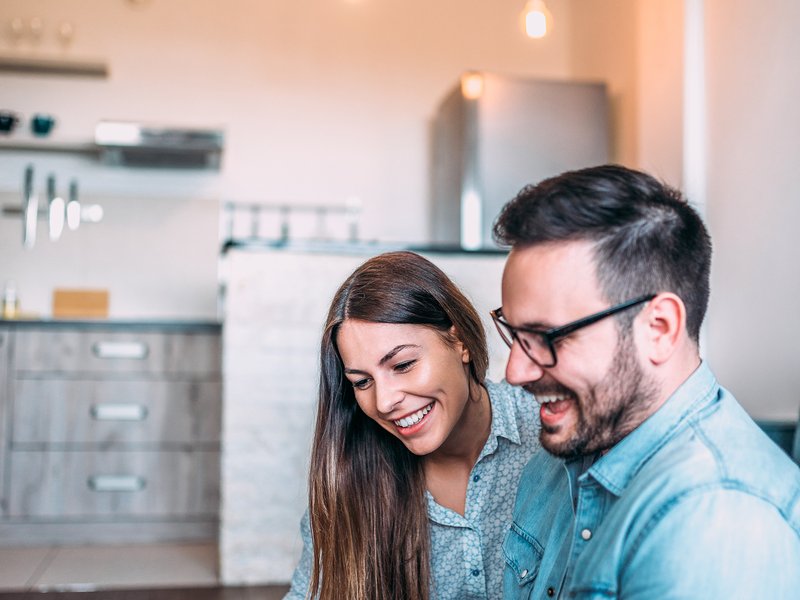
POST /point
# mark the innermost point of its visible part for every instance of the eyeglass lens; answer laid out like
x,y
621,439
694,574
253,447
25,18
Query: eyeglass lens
x,y
534,345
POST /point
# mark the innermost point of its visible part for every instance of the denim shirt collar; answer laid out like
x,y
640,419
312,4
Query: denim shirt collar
x,y
619,465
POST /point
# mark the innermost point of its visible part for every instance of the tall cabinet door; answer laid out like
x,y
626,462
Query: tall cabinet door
x,y
5,399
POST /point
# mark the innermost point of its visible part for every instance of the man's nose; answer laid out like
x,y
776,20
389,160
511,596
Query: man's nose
x,y
520,369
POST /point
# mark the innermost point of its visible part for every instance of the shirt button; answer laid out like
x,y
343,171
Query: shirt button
x,y
551,592
524,574
586,534
476,572
476,478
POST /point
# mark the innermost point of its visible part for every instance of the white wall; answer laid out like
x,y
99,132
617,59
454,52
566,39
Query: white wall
x,y
753,90
321,100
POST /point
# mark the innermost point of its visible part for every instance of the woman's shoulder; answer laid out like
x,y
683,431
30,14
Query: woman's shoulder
x,y
513,400
502,391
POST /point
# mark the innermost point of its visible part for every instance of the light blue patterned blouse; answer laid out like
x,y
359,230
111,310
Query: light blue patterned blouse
x,y
466,551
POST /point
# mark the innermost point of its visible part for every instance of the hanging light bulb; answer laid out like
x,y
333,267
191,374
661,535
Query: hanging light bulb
x,y
537,20
472,85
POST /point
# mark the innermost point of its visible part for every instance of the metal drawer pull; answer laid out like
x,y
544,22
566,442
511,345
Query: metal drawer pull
x,y
118,412
136,350
117,483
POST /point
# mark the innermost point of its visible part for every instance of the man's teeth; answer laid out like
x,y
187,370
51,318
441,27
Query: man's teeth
x,y
415,418
549,399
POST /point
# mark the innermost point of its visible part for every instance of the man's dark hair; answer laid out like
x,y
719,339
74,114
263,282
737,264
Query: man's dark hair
x,y
647,239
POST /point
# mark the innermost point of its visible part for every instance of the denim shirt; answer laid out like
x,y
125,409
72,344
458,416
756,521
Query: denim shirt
x,y
466,551
696,502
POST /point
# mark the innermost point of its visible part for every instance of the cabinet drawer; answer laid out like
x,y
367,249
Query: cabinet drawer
x,y
53,411
115,351
90,485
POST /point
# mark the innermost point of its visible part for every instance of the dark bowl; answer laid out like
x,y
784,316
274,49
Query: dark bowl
x,y
42,124
8,121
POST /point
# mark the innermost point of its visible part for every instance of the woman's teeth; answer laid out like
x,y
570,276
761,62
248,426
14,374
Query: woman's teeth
x,y
415,418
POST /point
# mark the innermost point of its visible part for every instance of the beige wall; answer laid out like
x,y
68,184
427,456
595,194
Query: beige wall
x,y
603,48
659,130
636,46
753,211
321,99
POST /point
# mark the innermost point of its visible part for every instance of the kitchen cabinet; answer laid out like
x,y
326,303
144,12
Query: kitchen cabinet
x,y
4,394
110,431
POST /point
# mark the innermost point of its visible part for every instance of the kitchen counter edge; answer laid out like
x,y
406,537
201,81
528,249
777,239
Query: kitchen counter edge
x,y
121,324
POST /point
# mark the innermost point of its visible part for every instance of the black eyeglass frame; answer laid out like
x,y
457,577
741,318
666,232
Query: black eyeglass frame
x,y
551,335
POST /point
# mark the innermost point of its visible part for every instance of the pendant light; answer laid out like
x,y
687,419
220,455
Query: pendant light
x,y
536,19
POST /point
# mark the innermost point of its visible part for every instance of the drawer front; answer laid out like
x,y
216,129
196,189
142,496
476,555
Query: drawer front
x,y
114,351
94,485
54,411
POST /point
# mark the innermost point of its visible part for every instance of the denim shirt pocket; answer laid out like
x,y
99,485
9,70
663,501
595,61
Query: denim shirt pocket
x,y
523,555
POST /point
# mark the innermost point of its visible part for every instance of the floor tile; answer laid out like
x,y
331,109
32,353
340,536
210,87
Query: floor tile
x,y
98,567
19,565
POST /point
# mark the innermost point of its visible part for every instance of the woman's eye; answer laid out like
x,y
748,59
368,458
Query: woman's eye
x,y
361,384
404,366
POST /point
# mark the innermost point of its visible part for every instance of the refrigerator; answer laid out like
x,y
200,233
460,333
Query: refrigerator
x,y
493,134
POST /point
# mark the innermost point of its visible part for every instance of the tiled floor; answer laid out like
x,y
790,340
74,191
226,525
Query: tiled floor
x,y
106,567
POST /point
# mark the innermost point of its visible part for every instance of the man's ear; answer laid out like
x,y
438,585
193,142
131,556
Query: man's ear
x,y
664,325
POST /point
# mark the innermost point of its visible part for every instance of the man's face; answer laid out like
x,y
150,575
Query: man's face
x,y
598,392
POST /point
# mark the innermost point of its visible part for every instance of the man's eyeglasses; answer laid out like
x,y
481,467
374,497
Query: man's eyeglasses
x,y
538,344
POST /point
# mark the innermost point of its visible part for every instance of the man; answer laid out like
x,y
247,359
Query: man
x,y
656,483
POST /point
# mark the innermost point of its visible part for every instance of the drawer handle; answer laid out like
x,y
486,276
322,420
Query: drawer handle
x,y
135,350
117,483
118,412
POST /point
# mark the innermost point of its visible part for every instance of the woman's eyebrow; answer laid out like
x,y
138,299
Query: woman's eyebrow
x,y
386,357
389,355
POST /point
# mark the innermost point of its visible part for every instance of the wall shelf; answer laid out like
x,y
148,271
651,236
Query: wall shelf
x,y
53,66
88,148
150,147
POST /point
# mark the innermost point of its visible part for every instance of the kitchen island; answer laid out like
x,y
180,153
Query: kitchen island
x,y
276,299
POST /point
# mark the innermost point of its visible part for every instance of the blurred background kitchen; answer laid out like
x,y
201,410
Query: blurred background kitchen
x,y
184,183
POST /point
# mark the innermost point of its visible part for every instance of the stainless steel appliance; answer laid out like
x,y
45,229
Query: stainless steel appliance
x,y
142,145
492,135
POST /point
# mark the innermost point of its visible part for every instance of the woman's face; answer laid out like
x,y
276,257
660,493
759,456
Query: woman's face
x,y
407,379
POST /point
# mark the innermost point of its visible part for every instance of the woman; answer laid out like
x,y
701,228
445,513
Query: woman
x,y
415,458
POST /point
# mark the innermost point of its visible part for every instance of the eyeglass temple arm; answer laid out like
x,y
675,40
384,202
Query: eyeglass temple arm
x,y
580,323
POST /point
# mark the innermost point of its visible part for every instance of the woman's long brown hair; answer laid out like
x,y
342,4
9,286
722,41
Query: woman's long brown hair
x,y
367,506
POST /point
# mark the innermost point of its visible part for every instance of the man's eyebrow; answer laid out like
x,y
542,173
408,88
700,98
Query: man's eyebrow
x,y
386,357
538,325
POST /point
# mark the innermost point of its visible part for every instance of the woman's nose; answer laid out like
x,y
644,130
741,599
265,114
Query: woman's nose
x,y
387,398
520,369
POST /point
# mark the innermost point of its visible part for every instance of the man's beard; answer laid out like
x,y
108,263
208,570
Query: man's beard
x,y
610,411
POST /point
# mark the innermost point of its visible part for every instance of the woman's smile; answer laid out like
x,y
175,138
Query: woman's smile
x,y
411,424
